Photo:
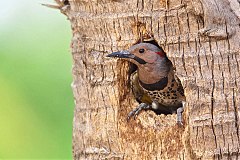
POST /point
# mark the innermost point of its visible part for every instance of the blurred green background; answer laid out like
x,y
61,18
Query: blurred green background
x,y
36,101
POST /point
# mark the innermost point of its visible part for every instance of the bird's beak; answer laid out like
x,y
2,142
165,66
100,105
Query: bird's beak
x,y
121,54
128,56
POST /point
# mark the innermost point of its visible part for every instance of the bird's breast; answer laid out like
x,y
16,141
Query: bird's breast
x,y
160,85
170,93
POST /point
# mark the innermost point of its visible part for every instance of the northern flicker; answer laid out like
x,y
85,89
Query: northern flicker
x,y
154,83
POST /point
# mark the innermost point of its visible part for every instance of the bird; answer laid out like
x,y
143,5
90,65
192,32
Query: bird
x,y
154,82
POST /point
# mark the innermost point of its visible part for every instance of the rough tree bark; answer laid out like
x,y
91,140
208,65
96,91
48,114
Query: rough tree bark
x,y
201,37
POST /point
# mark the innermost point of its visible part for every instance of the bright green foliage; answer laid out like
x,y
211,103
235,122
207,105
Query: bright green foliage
x,y
36,101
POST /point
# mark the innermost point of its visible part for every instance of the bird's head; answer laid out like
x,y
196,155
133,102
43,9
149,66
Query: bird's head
x,y
150,59
141,54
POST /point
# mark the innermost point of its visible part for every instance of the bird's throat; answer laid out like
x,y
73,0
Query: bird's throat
x,y
160,85
149,74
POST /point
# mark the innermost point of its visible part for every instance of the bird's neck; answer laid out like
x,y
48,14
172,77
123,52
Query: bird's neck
x,y
150,74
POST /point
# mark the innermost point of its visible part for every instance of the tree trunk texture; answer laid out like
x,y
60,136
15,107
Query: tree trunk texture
x,y
200,37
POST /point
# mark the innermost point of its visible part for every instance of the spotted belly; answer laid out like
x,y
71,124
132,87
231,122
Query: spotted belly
x,y
171,95
165,98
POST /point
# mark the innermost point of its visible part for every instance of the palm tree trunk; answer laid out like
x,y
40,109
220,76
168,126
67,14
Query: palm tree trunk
x,y
201,37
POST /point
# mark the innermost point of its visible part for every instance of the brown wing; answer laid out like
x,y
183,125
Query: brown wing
x,y
180,89
138,92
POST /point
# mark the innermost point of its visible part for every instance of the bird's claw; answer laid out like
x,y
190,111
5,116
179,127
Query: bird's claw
x,y
179,116
134,113
180,123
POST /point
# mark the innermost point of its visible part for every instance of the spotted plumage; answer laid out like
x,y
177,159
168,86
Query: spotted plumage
x,y
154,83
170,98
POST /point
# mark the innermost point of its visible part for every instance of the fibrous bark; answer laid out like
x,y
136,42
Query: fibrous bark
x,y
202,39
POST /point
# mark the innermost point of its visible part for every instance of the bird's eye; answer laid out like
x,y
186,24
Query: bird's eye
x,y
141,50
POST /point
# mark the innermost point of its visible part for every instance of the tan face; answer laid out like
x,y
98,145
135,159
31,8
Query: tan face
x,y
144,53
